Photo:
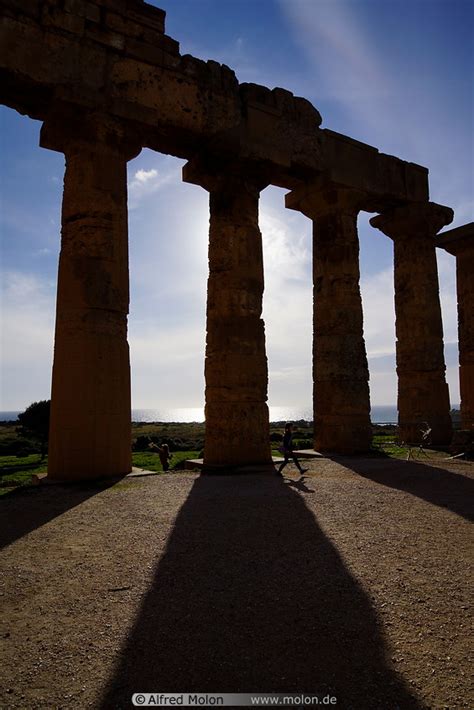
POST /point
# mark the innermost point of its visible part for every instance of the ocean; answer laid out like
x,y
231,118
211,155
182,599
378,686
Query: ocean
x,y
379,414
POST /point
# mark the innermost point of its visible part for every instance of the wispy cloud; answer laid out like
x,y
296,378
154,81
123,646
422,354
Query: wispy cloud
x,y
144,176
398,96
42,252
144,183
338,49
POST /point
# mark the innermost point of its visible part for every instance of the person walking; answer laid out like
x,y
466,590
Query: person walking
x,y
288,451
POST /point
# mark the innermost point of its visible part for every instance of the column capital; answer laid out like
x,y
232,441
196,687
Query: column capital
x,y
457,240
322,197
68,130
213,173
417,217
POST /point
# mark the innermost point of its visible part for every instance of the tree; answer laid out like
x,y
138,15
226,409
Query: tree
x,y
35,424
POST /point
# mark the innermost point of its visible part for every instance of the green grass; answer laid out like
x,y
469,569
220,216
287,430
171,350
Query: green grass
x,y
18,470
386,445
151,462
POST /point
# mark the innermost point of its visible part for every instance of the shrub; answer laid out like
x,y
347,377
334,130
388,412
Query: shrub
x,y
303,443
34,423
16,446
141,443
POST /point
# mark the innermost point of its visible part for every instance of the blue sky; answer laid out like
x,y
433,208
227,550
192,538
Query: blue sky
x,y
395,74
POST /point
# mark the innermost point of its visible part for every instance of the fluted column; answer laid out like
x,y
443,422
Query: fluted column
x,y
460,243
237,422
340,372
90,428
423,396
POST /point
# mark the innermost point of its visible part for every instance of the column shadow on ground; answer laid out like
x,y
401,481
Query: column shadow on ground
x,y
27,508
445,489
251,596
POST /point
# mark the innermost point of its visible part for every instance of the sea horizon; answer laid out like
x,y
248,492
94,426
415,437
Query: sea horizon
x,y
379,414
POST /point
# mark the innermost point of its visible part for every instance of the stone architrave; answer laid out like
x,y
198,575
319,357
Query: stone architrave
x,y
340,372
423,396
237,421
460,243
90,427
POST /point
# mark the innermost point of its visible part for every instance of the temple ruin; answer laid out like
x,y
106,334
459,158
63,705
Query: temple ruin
x,y
106,81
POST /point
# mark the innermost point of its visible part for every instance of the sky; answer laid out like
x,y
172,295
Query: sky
x,y
396,74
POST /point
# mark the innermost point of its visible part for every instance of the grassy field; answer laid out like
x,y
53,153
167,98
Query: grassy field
x,y
18,470
186,442
151,462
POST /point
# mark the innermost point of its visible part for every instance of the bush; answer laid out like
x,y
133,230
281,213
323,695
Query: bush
x,y
34,423
141,443
15,446
303,443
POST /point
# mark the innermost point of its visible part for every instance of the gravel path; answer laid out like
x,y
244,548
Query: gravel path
x,y
351,581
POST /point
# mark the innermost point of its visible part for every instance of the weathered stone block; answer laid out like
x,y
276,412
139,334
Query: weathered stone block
x,y
240,434
23,8
416,180
82,8
54,17
147,15
141,32
76,7
113,40
337,434
157,54
145,52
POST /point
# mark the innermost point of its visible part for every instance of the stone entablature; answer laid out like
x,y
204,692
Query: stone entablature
x,y
457,240
112,56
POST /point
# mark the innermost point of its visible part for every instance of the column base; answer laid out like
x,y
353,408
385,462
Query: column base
x,y
250,469
342,437
83,476
237,435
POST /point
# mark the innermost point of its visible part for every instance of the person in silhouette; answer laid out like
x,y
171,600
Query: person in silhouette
x,y
287,450
164,454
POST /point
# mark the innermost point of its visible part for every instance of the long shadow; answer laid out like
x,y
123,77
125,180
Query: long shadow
x,y
7,470
251,596
27,508
437,486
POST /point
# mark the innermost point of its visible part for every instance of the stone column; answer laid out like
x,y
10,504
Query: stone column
x,y
237,422
90,428
460,243
423,396
340,372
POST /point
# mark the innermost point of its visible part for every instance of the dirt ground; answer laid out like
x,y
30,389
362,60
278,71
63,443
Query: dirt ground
x,y
353,581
